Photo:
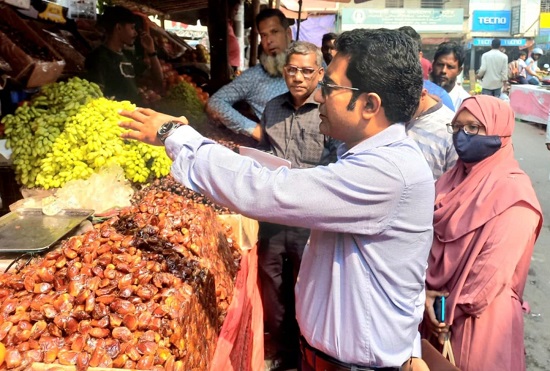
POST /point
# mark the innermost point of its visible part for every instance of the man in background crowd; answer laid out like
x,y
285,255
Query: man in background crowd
x,y
493,71
327,46
290,130
426,64
259,84
531,67
447,66
432,89
428,128
112,66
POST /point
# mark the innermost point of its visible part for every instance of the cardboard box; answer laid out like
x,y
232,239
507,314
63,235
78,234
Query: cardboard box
x,y
5,154
245,230
28,70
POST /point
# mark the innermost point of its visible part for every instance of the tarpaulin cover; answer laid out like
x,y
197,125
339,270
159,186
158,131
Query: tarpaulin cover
x,y
530,103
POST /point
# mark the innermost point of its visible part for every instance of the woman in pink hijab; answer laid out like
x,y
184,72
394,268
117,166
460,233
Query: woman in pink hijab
x,y
487,219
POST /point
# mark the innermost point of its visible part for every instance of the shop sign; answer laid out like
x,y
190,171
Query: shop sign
x,y
422,20
503,42
544,20
491,21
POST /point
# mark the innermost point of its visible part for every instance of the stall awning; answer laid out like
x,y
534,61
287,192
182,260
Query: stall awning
x,y
176,10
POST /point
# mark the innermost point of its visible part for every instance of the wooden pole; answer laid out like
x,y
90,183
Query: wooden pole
x,y
254,35
217,33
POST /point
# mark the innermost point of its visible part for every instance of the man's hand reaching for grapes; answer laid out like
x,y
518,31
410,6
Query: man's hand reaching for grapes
x,y
145,124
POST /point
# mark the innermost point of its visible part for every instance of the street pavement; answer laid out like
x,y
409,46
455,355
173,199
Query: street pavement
x,y
534,159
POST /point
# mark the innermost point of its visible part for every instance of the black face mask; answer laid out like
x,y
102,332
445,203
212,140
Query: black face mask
x,y
474,148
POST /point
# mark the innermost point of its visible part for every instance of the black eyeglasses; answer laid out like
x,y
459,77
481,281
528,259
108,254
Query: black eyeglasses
x,y
470,129
327,88
307,72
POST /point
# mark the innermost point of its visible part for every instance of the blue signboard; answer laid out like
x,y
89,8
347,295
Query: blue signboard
x,y
503,42
491,21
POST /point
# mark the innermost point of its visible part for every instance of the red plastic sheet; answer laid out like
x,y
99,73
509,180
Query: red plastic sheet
x,y
241,342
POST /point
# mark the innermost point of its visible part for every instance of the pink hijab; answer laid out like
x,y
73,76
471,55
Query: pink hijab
x,y
470,195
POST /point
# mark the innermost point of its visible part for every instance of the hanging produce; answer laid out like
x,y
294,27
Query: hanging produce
x,y
69,131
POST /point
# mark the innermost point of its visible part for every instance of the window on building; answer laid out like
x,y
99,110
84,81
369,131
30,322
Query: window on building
x,y
545,6
432,3
394,3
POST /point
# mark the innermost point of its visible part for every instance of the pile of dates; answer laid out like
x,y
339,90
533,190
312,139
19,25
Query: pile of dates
x,y
147,290
169,184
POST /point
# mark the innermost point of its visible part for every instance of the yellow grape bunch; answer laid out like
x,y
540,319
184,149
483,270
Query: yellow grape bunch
x,y
34,127
91,140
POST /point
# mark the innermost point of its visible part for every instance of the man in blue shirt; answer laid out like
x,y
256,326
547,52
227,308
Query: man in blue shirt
x,y
259,84
360,291
290,130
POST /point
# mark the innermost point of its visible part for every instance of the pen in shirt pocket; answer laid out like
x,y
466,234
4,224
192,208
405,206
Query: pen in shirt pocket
x,y
303,133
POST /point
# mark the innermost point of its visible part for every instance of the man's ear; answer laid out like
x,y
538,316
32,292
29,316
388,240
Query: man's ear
x,y
460,70
371,104
289,34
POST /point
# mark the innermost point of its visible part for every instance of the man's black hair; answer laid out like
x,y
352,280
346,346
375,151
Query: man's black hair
x,y
408,30
384,62
450,47
495,44
271,12
114,15
329,36
522,53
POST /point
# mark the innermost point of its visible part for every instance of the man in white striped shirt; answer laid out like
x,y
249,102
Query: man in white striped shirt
x,y
428,129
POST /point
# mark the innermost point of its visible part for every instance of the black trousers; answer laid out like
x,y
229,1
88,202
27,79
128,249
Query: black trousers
x,y
280,251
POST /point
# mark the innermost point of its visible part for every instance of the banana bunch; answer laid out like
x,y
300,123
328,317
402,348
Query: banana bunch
x,y
34,127
91,140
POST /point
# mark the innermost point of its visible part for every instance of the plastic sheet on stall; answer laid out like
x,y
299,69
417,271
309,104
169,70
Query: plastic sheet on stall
x,y
28,70
74,60
240,345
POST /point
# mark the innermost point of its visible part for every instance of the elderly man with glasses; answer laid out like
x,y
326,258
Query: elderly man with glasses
x,y
360,290
290,130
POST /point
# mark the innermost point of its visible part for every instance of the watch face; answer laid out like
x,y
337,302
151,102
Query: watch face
x,y
165,128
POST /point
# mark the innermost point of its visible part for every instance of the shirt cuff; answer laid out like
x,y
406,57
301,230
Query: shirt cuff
x,y
184,136
417,347
247,128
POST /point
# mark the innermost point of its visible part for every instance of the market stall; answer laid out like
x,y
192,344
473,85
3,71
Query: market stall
x,y
142,290
531,103
59,138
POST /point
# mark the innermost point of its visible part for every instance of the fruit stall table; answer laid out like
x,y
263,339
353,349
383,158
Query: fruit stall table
x,y
531,103
240,341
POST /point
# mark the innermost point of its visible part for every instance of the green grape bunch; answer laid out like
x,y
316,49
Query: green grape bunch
x,y
183,100
35,125
91,140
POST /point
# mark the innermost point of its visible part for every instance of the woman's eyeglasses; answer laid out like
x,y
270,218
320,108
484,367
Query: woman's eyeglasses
x,y
307,72
327,88
470,129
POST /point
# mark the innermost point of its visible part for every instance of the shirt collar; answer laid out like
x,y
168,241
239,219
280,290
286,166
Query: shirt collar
x,y
288,100
391,134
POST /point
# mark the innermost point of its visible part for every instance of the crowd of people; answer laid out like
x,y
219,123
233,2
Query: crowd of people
x,y
401,191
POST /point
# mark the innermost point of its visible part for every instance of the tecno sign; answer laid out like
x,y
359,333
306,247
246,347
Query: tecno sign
x,y
491,21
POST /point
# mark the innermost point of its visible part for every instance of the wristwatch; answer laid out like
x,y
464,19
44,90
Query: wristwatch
x,y
167,129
